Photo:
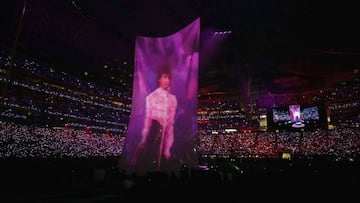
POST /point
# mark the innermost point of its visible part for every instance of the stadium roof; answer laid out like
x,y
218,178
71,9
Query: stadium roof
x,y
286,45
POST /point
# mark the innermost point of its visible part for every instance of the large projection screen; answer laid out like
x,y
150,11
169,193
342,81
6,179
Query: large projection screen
x,y
162,130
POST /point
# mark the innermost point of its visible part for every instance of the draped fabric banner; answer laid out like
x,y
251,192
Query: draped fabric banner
x,y
162,131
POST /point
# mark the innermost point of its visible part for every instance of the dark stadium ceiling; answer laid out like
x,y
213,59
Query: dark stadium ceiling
x,y
286,45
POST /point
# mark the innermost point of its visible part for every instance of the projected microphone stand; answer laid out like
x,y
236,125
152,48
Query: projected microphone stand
x,y
161,147
162,137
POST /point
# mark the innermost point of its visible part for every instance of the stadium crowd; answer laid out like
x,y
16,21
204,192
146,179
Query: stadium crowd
x,y
68,133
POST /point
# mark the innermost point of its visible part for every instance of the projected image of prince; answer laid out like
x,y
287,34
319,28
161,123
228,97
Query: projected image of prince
x,y
157,136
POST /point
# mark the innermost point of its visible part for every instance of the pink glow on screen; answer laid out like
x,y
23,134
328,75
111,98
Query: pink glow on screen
x,y
178,52
295,113
295,116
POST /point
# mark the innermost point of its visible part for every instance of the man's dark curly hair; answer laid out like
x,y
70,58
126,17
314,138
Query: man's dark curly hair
x,y
164,68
